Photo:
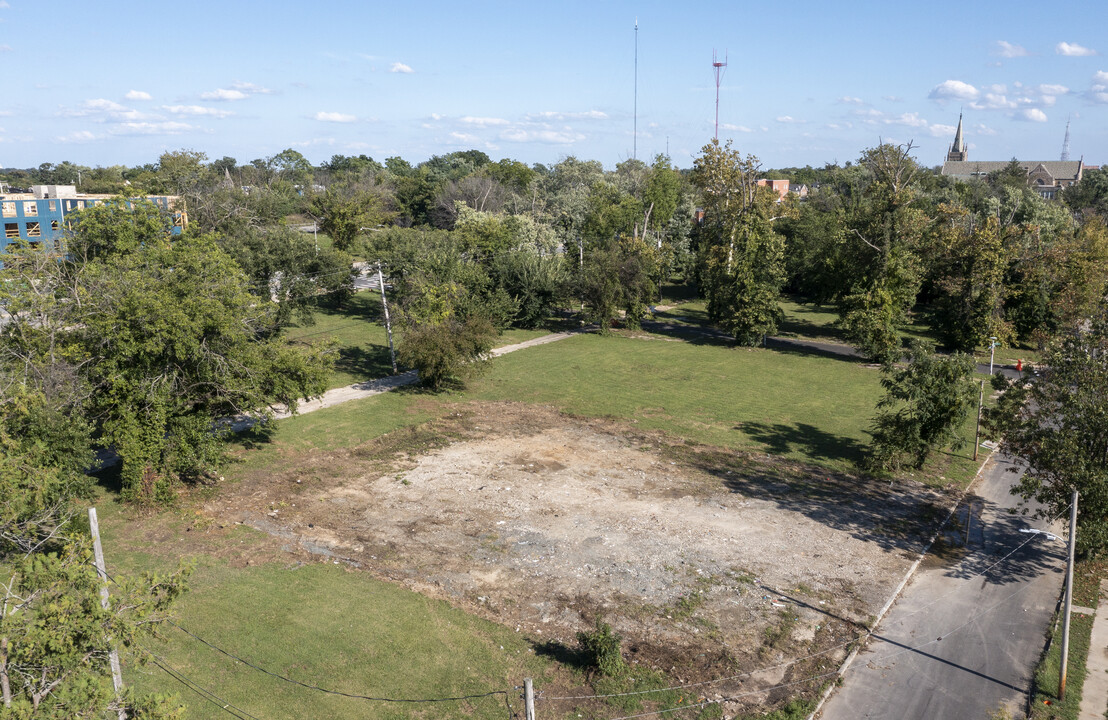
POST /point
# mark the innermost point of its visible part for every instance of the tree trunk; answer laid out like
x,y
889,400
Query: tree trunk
x,y
5,684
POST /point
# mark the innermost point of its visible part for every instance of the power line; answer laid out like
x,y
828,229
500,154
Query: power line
x,y
333,692
208,695
860,636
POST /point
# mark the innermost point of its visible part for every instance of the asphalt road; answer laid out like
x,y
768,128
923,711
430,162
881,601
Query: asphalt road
x,y
965,635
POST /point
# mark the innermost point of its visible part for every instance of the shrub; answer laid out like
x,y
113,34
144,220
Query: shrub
x,y
602,649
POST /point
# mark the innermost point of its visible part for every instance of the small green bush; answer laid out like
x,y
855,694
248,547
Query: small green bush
x,y
602,649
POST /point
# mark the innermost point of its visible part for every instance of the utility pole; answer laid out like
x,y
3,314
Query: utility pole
x,y
1069,600
977,433
388,323
529,699
98,557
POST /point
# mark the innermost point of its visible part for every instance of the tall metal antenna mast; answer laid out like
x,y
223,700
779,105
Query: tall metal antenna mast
x,y
719,68
635,141
1066,143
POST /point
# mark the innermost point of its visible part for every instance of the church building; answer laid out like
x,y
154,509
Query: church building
x,y
1047,177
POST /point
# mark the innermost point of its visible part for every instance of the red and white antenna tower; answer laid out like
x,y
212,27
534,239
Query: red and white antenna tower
x,y
719,68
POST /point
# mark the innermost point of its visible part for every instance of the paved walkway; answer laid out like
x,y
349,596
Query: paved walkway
x,y
357,391
1094,695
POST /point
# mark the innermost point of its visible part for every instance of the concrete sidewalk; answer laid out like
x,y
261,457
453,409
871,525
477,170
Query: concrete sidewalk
x,y
1094,695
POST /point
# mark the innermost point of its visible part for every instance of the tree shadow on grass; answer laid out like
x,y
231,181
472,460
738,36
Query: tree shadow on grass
x,y
798,324
692,334
804,439
364,362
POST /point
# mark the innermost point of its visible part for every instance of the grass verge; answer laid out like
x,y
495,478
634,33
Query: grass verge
x,y
1045,705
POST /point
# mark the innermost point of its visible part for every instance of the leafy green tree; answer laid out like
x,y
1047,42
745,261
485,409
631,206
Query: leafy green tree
x,y
1091,194
970,261
174,341
447,352
886,273
742,257
926,403
446,336
284,266
662,192
1057,426
345,212
164,340
618,276
54,635
536,282
117,227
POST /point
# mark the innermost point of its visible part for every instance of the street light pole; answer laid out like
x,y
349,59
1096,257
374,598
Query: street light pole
x,y
1069,601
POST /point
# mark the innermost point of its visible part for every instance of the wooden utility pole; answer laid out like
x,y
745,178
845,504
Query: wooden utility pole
x,y
529,698
388,323
977,433
1069,600
98,556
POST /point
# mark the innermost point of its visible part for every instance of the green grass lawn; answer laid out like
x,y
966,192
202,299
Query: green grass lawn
x,y
318,623
805,407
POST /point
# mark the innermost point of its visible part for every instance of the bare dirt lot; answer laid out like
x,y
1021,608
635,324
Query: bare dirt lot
x,y
708,562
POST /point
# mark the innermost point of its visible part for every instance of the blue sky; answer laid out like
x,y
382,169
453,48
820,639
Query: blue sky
x,y
110,82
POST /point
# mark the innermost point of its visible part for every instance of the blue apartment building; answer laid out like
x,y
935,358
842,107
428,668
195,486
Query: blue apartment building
x,y
39,217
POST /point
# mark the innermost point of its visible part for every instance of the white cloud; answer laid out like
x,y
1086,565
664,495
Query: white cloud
x,y
238,91
552,137
560,116
953,90
102,110
6,113
167,127
942,130
137,95
465,138
994,101
78,136
1073,50
5,48
736,128
399,67
908,119
196,110
250,88
788,120
892,98
1008,50
222,94
334,117
982,129
847,100
483,121
4,5
1032,115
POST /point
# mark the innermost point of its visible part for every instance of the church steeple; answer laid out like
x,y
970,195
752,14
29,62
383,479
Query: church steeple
x,y
957,151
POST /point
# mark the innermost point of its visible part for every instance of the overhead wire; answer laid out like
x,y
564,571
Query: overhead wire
x,y
856,638
310,686
203,692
